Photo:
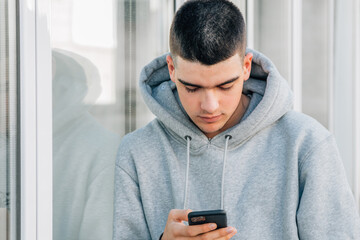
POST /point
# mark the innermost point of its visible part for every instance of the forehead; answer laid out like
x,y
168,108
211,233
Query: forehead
x,y
208,75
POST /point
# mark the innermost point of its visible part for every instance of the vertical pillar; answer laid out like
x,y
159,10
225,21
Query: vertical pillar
x,y
296,52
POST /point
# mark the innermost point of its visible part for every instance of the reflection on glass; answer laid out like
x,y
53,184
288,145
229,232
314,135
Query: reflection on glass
x,y
83,153
99,49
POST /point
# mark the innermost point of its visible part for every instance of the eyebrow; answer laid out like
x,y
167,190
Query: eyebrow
x,y
198,86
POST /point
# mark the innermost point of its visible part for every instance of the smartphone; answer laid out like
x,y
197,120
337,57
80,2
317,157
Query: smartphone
x,y
211,216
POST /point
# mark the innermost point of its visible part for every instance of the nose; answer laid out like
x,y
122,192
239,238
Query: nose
x,y
209,103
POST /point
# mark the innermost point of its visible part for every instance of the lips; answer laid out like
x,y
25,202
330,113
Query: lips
x,y
210,119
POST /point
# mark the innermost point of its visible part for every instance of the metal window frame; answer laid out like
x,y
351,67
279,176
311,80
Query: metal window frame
x,y
35,119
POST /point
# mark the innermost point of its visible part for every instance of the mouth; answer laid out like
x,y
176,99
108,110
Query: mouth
x,y
210,119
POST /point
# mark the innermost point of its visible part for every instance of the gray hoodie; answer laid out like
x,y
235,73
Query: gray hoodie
x,y
277,173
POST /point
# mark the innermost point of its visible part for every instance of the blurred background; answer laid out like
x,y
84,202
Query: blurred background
x,y
95,51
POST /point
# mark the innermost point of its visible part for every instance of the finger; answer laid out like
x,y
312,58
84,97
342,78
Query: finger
x,y
179,215
230,235
220,234
196,230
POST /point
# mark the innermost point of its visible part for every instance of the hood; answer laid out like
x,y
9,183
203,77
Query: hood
x,y
76,86
265,82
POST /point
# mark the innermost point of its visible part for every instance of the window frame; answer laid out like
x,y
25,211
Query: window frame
x,y
35,119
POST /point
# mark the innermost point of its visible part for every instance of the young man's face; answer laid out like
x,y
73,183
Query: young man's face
x,y
211,95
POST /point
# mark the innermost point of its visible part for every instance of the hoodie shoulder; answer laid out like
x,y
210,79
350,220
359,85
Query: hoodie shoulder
x,y
300,122
142,137
303,131
137,143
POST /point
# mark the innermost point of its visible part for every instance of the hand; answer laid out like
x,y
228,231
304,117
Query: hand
x,y
176,229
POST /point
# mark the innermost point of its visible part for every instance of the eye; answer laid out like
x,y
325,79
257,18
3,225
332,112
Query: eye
x,y
226,87
190,90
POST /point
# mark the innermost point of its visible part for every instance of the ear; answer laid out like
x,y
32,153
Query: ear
x,y
247,65
171,67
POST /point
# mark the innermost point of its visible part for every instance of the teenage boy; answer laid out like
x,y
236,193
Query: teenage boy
x,y
225,137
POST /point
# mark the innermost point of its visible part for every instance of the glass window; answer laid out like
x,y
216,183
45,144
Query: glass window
x,y
9,167
272,36
99,49
316,74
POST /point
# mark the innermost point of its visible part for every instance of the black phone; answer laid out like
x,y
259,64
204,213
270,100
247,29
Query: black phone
x,y
211,216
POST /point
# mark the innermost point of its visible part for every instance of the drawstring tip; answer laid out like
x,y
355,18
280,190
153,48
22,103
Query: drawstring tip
x,y
228,137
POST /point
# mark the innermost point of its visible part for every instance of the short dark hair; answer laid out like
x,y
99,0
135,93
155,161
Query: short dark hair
x,y
207,31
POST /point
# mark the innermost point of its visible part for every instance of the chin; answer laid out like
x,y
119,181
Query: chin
x,y
210,130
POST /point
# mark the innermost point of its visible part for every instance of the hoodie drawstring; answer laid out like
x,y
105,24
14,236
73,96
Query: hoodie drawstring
x,y
188,139
227,138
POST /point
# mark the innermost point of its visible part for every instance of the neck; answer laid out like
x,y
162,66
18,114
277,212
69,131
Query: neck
x,y
236,117
239,112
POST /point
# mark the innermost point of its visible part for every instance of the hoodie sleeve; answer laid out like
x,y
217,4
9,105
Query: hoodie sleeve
x,y
326,208
129,218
